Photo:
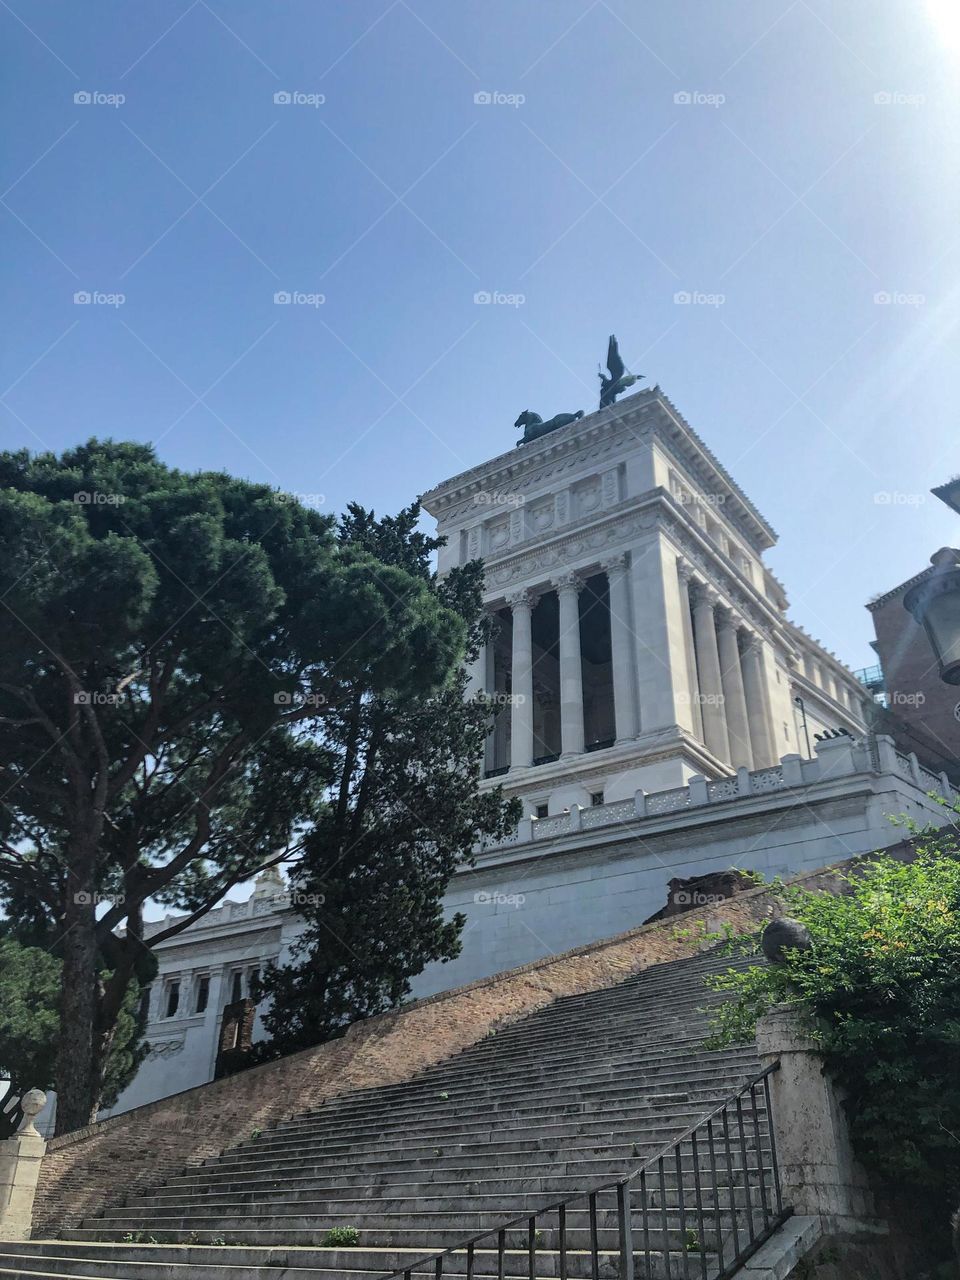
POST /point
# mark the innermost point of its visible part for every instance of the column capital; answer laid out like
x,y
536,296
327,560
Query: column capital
x,y
750,641
685,570
614,564
703,595
726,618
568,581
522,599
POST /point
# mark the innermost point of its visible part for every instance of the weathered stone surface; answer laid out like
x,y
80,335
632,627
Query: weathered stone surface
x,y
818,1171
784,935
702,891
20,1163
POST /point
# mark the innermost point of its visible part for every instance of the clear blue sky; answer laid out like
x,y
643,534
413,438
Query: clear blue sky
x,y
598,197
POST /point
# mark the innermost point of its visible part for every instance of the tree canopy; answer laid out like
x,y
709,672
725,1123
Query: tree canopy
x,y
406,811
173,645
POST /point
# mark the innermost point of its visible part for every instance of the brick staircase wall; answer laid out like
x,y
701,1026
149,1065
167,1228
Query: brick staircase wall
x,y
140,1149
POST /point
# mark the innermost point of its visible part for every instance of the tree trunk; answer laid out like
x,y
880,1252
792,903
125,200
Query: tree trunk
x,y
77,1090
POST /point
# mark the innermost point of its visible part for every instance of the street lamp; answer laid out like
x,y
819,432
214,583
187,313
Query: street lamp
x,y
935,604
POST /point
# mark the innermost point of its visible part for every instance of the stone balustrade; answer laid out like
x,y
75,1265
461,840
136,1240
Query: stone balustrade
x,y
836,757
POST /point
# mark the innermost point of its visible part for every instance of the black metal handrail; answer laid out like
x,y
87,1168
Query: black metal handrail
x,y
730,1170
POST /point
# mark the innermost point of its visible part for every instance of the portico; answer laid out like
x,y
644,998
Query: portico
x,y
639,640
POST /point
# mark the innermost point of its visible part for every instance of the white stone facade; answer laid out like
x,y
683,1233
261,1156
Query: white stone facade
x,y
641,639
201,971
576,877
645,678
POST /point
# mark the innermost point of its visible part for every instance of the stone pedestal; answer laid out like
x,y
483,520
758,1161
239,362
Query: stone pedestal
x,y
818,1171
20,1159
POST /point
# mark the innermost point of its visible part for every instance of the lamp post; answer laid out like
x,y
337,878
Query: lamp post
x,y
935,604
803,712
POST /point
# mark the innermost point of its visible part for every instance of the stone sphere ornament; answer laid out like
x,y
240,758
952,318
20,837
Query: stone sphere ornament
x,y
783,935
31,1104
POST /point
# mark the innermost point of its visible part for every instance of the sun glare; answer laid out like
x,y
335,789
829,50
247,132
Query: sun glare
x,y
945,16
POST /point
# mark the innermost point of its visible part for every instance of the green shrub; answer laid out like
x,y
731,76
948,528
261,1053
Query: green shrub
x,y
882,983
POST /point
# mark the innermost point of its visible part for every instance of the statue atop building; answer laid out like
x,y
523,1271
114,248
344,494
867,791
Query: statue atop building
x,y
534,426
619,379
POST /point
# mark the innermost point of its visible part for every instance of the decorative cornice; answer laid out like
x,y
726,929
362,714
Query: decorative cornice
x,y
634,419
892,594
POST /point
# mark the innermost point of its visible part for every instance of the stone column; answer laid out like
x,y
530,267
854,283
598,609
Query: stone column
x,y
734,700
476,674
708,670
684,572
521,681
621,649
568,587
758,709
20,1158
818,1171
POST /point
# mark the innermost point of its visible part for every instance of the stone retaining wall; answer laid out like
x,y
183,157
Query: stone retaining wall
x,y
133,1153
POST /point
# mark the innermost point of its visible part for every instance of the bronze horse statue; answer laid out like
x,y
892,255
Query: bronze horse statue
x,y
534,426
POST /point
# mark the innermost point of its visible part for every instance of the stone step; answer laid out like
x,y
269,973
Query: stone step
x,y
534,1074
627,1124
301,1164
505,1195
531,1074
437,1213
524,1180
382,1260
449,1111
401,1187
324,1264
657,1040
508,1148
451,1166
633,1101
478,1145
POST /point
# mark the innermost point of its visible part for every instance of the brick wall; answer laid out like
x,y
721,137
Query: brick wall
x,y
86,1171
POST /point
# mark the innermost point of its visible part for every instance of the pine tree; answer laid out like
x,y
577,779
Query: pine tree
x,y
405,811
170,643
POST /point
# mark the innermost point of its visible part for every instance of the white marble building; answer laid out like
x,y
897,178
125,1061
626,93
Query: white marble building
x,y
200,971
642,639
646,678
